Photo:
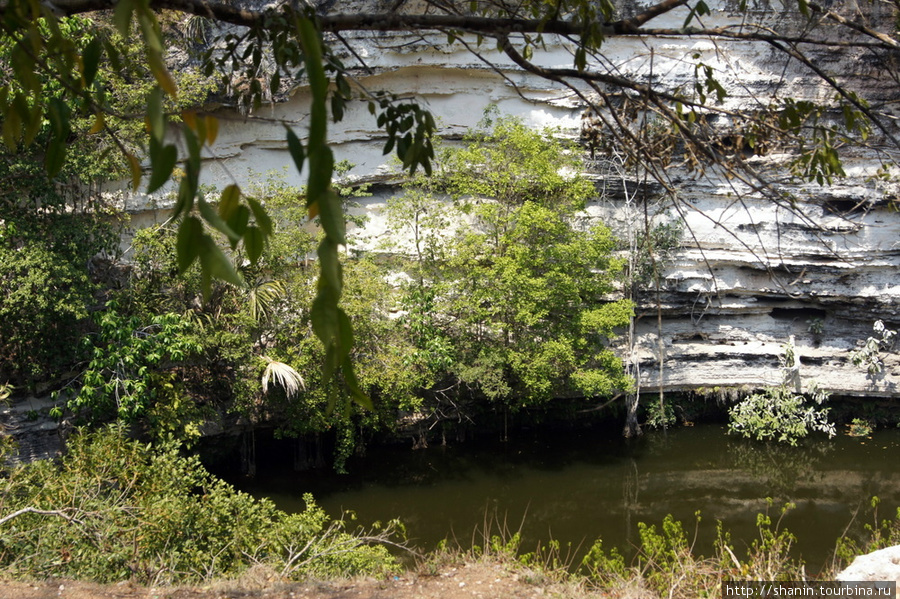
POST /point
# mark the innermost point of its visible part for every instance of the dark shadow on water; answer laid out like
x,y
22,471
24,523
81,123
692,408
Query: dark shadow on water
x,y
577,486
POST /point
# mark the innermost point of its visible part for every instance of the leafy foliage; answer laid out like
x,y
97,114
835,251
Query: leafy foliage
x,y
869,355
47,256
518,290
116,509
128,356
781,413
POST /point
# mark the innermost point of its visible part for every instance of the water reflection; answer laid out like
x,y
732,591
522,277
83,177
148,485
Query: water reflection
x,y
778,468
578,487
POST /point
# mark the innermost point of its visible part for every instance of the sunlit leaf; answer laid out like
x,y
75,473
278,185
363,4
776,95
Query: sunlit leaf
x,y
122,16
136,170
284,376
99,124
212,129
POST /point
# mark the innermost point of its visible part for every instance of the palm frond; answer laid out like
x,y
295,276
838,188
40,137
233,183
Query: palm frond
x,y
282,375
262,298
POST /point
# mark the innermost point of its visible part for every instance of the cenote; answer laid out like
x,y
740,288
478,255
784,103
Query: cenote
x,y
579,486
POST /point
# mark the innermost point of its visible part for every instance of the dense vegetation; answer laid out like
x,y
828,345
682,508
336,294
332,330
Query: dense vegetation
x,y
497,295
117,509
506,301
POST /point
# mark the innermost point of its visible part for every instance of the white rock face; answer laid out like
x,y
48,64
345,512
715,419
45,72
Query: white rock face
x,y
881,565
749,274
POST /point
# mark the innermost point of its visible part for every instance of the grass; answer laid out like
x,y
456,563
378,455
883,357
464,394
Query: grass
x,y
666,563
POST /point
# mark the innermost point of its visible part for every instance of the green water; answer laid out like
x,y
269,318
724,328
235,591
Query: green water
x,y
579,486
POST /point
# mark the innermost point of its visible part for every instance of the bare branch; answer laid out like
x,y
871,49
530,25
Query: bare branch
x,y
32,510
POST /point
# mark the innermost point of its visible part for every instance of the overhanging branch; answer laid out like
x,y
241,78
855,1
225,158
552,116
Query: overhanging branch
x,y
491,26
386,22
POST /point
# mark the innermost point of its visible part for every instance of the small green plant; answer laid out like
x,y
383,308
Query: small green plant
x,y
859,427
869,356
816,326
605,568
667,565
770,554
660,415
879,534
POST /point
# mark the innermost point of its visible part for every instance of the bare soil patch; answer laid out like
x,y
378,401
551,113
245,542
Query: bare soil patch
x,y
485,580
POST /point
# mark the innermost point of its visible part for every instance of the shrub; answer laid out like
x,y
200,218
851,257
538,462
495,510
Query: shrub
x,y
116,509
780,414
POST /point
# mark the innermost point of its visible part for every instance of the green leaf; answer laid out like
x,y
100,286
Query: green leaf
x,y
162,163
187,191
187,246
156,51
337,108
262,218
352,383
229,201
239,219
324,318
55,156
330,272
58,113
12,129
345,335
296,149
213,218
122,16
253,242
91,60
156,119
331,216
217,264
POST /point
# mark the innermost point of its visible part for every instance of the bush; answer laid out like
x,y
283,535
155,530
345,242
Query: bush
x,y
116,509
783,413
780,414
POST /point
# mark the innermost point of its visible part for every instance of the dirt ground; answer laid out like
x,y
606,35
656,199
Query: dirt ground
x,y
469,581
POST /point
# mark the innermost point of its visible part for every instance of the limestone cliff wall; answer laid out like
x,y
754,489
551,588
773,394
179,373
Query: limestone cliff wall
x,y
749,274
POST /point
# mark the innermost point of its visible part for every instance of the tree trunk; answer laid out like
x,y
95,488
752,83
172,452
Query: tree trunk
x,y
632,428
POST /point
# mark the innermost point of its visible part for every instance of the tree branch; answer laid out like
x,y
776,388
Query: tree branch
x,y
225,12
854,25
33,510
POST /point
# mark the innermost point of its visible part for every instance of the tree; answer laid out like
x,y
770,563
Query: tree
x,y
50,79
511,300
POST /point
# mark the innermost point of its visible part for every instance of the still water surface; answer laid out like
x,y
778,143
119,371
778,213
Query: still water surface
x,y
580,486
